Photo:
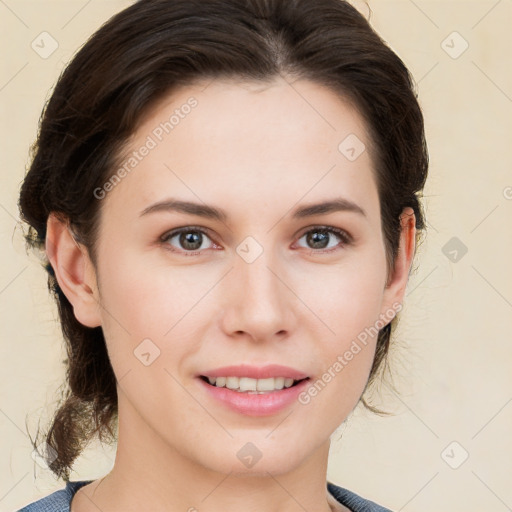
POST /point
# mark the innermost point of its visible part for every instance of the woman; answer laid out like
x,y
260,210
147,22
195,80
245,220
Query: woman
x,y
228,196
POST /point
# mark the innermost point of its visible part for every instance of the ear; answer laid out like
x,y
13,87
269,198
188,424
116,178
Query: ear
x,y
74,271
397,280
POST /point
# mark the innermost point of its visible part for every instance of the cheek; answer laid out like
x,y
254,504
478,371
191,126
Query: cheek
x,y
144,297
141,302
350,307
347,297
346,303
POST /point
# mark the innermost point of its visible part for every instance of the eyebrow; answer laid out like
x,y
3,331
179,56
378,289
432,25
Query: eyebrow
x,y
339,204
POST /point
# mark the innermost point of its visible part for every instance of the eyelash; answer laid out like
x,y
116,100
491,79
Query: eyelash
x,y
345,238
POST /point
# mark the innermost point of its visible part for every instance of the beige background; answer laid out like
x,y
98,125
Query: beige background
x,y
453,361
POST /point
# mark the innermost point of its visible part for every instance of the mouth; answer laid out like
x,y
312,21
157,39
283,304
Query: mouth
x,y
254,397
252,386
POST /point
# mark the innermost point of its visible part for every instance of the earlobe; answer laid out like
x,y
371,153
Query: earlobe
x,y
73,270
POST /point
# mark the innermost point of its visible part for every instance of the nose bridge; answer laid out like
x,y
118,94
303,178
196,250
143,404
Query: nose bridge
x,y
258,305
257,276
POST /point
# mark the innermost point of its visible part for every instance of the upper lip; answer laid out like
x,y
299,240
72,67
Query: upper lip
x,y
256,372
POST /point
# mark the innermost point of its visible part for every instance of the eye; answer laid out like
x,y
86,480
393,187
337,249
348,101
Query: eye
x,y
189,240
320,238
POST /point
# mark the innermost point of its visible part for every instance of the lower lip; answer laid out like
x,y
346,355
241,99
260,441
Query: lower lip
x,y
256,404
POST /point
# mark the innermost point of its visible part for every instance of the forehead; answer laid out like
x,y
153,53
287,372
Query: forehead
x,y
247,143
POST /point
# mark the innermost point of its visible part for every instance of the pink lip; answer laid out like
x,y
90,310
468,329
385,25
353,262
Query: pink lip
x,y
254,372
255,404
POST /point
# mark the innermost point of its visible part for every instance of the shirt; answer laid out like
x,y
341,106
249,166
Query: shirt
x,y
59,501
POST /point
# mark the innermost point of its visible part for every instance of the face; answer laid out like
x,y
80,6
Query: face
x,y
266,281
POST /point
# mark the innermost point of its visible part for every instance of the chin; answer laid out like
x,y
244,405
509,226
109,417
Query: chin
x,y
258,458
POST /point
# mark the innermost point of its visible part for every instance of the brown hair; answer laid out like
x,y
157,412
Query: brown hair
x,y
139,56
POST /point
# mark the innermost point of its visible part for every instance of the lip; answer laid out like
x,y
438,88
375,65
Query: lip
x,y
255,372
265,404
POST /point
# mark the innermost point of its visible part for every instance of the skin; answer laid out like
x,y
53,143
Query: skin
x,y
257,151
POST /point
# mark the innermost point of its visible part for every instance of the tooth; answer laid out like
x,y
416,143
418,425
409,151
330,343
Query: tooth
x,y
279,382
266,384
232,382
288,383
247,384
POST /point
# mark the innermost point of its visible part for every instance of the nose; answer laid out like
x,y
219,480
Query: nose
x,y
258,304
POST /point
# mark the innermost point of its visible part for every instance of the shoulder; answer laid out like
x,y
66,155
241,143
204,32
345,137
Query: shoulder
x,y
56,502
59,500
353,501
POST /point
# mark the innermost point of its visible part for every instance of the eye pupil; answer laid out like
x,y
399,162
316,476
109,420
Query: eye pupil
x,y
319,239
191,238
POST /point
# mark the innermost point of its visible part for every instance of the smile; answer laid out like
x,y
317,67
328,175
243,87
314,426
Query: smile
x,y
251,386
254,402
